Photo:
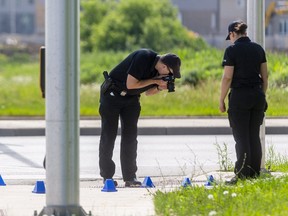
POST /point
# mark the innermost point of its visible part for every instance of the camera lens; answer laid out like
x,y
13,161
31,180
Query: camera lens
x,y
170,86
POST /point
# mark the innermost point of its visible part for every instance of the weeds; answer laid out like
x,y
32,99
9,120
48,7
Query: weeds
x,y
276,161
224,161
20,91
265,195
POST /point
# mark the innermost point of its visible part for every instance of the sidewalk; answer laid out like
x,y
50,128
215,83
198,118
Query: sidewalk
x,y
146,126
18,199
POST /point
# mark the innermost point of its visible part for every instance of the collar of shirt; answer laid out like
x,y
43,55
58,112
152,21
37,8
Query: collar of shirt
x,y
242,39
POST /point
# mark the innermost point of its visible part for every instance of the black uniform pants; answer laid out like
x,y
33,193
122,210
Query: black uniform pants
x,y
246,113
113,106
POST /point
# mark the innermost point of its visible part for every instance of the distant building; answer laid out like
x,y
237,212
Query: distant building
x,y
25,20
17,16
22,20
210,19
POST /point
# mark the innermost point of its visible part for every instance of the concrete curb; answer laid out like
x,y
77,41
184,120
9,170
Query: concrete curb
x,y
188,126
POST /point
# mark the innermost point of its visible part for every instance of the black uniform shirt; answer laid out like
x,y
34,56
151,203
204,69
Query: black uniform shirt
x,y
246,57
139,64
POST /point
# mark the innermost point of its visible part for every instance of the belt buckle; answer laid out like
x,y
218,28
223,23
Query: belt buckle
x,y
123,93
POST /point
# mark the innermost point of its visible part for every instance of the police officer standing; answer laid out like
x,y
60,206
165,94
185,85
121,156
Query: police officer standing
x,y
141,71
245,74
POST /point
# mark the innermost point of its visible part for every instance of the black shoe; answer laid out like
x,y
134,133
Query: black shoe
x,y
115,182
232,181
133,183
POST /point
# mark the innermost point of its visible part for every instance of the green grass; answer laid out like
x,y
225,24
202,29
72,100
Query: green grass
x,y
21,96
276,105
275,161
185,101
264,196
20,91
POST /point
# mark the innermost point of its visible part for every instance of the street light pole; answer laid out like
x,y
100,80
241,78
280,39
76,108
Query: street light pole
x,y
62,108
12,15
256,26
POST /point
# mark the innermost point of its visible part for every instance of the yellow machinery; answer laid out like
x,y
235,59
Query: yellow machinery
x,y
275,7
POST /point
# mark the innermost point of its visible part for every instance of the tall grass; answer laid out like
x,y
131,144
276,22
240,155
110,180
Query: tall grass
x,y
276,161
264,196
185,101
20,89
21,96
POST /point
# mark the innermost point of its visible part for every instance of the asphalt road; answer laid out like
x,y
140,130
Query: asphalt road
x,y
21,157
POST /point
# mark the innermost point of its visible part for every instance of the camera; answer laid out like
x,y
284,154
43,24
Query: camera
x,y
170,82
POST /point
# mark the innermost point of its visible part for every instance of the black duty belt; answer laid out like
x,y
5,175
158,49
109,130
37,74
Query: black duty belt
x,y
110,85
114,88
248,87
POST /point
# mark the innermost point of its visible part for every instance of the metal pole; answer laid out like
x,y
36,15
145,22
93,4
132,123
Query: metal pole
x,y
62,108
12,7
256,27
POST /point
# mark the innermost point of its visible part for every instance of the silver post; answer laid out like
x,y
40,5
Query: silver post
x,y
12,7
256,26
62,108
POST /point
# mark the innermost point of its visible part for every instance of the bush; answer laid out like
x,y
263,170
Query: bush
x,y
93,65
130,24
278,69
192,79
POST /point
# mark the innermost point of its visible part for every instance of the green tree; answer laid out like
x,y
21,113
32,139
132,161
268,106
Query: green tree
x,y
92,13
166,35
110,34
132,24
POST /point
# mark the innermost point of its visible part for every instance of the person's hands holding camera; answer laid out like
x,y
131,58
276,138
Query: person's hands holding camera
x,y
161,83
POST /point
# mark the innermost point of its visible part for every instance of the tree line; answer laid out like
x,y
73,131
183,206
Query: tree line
x,y
129,24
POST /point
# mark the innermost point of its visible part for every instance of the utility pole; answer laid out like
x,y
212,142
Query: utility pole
x,y
62,108
256,31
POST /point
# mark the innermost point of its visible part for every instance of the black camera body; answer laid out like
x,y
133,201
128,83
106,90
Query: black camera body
x,y
170,82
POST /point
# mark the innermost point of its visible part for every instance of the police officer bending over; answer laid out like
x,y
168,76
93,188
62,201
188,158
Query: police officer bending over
x,y
245,74
141,71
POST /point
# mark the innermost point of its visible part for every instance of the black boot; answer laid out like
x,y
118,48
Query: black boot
x,y
133,183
